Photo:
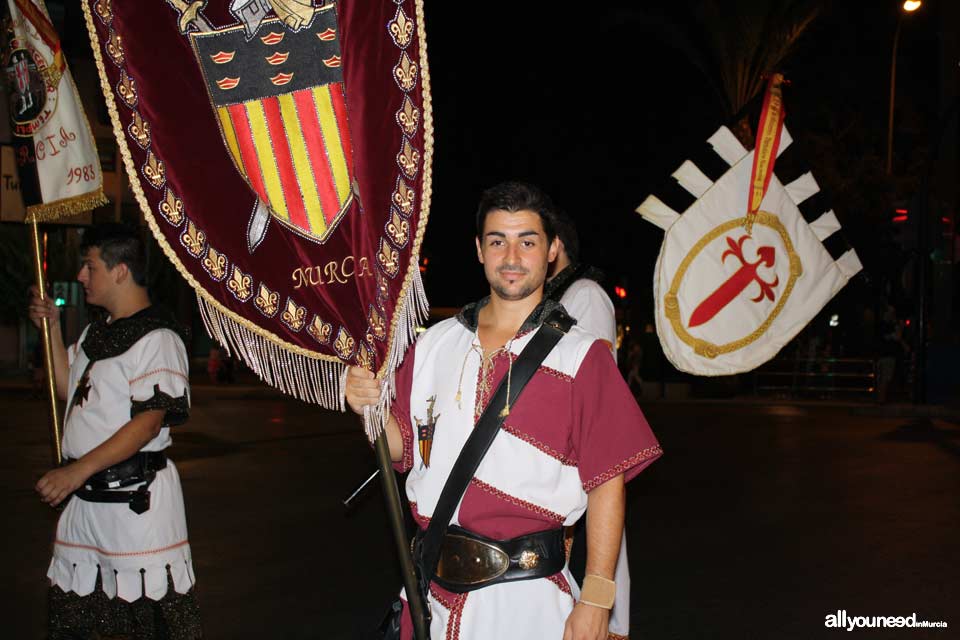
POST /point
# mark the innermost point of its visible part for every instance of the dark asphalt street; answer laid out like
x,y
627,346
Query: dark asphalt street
x,y
758,522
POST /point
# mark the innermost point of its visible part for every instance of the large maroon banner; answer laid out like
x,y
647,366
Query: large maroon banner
x,y
280,152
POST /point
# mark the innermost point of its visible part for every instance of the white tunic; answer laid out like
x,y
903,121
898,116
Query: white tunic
x,y
589,305
574,427
111,536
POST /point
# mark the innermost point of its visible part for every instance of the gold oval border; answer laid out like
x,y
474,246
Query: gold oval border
x,y
672,307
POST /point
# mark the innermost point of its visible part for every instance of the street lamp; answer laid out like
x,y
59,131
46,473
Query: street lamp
x,y
908,7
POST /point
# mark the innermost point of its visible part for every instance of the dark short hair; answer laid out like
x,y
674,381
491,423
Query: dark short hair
x,y
518,196
567,232
118,243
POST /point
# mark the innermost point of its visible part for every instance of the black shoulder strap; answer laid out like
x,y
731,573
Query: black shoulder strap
x,y
559,285
527,363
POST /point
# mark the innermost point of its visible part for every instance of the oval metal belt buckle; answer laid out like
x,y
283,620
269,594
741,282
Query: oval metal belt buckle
x,y
467,561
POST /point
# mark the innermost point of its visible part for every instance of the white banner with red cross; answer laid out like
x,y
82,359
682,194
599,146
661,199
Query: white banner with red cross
x,y
740,273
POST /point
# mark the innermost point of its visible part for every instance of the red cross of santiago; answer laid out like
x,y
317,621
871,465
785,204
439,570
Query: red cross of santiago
x,y
735,284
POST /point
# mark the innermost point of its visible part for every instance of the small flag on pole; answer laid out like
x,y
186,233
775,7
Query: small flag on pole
x,y
53,145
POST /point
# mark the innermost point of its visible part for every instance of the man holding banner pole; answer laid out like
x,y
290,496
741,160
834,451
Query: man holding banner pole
x,y
568,435
121,558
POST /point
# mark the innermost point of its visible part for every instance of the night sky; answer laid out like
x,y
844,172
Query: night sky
x,y
597,106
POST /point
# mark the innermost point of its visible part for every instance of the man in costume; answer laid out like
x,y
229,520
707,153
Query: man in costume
x,y
574,437
574,284
121,562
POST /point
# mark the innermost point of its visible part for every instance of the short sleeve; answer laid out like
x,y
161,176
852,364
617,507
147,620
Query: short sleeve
x,y
610,434
400,409
159,377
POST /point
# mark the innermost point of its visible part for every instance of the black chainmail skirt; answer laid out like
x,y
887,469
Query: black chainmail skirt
x,y
176,616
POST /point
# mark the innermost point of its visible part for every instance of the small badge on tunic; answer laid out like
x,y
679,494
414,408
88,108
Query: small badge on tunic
x,y
425,432
82,393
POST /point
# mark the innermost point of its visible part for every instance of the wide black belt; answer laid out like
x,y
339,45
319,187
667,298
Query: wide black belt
x,y
469,561
139,468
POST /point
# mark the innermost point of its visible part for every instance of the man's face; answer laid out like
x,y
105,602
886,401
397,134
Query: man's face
x,y
97,279
515,253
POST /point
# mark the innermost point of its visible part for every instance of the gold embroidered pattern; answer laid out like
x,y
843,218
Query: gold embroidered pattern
x,y
171,208
320,330
240,285
401,29
388,258
383,287
550,451
104,11
215,263
365,357
127,89
406,434
139,130
405,73
422,520
344,345
403,198
506,497
267,301
455,607
115,48
399,230
408,117
644,454
193,239
154,170
294,316
559,375
408,159
378,324
484,385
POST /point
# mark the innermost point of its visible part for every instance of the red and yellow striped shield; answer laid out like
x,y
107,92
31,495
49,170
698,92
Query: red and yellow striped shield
x,y
280,105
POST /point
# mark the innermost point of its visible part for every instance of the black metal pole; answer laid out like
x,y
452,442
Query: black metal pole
x,y
391,494
924,259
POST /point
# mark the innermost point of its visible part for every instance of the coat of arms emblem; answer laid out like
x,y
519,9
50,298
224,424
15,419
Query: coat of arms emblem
x,y
276,86
425,431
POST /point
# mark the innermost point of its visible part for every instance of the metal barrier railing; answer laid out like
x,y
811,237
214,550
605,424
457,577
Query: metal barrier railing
x,y
818,377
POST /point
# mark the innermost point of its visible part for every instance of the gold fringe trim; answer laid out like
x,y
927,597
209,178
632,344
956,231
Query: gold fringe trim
x,y
412,307
151,221
66,207
309,379
278,362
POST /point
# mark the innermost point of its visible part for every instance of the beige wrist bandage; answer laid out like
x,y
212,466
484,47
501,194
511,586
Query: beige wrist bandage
x,y
597,591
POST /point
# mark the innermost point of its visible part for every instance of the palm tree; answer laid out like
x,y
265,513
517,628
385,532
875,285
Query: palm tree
x,y
736,45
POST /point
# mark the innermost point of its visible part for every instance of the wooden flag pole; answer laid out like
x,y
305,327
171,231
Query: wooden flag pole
x,y
47,344
391,494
